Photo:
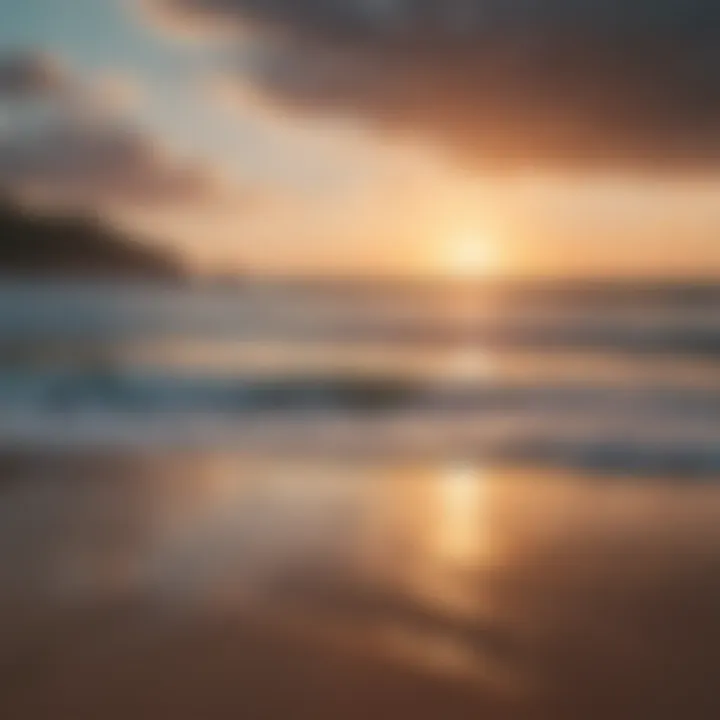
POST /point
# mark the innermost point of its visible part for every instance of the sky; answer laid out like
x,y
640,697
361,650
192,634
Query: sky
x,y
456,137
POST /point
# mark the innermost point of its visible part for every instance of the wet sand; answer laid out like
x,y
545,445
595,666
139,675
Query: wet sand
x,y
209,587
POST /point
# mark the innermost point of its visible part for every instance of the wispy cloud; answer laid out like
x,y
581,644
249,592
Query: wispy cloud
x,y
68,140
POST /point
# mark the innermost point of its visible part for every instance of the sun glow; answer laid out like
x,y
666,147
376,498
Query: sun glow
x,y
469,255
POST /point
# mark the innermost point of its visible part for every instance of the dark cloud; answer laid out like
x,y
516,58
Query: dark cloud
x,y
76,149
25,75
512,81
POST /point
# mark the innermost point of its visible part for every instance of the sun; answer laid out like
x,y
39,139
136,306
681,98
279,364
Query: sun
x,y
469,255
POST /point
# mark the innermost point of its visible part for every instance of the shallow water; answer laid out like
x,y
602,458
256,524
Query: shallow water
x,y
620,379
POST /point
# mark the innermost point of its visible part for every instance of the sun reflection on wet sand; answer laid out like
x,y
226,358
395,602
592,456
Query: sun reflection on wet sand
x,y
431,534
460,505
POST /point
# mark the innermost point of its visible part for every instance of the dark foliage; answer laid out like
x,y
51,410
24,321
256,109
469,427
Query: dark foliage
x,y
35,244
